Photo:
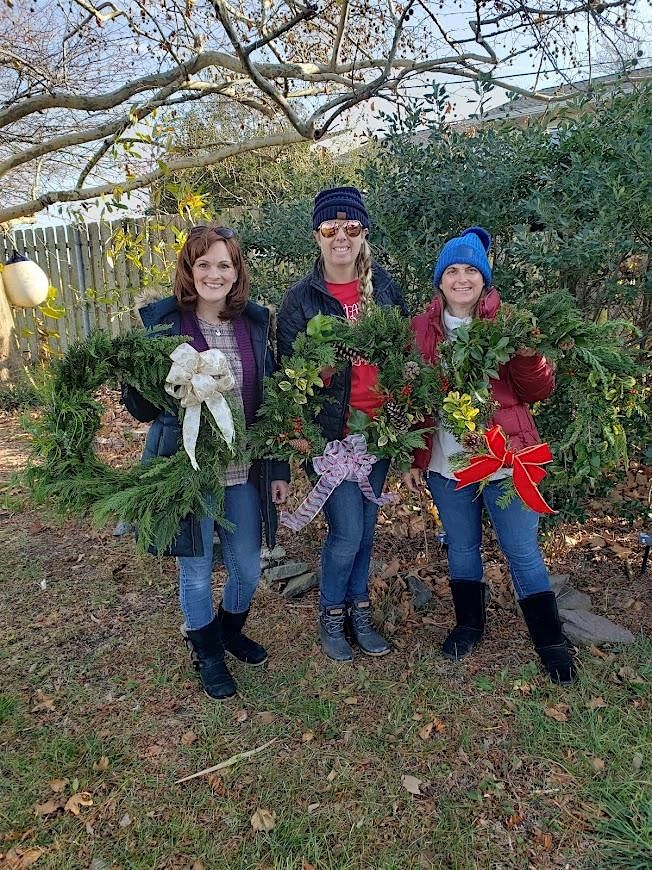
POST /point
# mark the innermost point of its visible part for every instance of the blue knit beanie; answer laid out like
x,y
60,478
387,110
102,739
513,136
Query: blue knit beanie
x,y
339,203
469,248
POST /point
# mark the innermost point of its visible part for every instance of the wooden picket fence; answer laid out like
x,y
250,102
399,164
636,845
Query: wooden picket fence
x,y
95,290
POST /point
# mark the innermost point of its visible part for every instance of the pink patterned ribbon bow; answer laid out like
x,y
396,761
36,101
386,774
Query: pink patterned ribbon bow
x,y
342,460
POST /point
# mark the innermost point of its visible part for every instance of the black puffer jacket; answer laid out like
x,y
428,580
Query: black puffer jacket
x,y
164,436
309,297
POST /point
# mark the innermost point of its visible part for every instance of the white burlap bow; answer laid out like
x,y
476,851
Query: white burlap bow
x,y
197,377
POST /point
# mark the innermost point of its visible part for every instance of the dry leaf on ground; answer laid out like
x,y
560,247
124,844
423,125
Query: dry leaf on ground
x,y
306,865
50,807
435,725
559,712
411,783
17,858
76,801
43,703
217,784
58,785
102,763
266,717
596,703
307,736
597,764
188,738
241,716
543,839
263,820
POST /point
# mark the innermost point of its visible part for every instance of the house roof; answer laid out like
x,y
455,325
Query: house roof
x,y
522,107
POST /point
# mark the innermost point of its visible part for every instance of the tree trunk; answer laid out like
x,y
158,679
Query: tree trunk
x,y
11,363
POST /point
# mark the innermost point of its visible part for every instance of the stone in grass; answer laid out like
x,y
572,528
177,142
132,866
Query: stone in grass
x,y
274,555
285,571
299,585
567,596
421,594
584,628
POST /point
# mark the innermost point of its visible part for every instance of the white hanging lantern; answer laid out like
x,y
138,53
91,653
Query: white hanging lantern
x,y
26,284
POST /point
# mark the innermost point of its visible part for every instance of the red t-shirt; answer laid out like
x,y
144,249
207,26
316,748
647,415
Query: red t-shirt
x,y
364,376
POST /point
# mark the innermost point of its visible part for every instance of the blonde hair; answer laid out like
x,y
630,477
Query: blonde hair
x,y
364,272
363,268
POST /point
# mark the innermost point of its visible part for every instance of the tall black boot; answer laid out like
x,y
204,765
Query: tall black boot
x,y
543,622
208,652
468,599
238,644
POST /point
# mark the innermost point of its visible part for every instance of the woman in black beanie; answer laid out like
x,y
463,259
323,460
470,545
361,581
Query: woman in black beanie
x,y
343,281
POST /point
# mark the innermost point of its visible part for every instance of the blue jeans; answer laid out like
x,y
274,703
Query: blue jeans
x,y
346,554
515,526
241,552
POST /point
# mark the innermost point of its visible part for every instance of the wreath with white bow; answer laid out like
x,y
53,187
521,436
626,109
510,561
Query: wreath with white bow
x,y
154,496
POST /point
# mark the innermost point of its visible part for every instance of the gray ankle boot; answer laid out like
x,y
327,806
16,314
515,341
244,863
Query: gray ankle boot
x,y
364,632
331,634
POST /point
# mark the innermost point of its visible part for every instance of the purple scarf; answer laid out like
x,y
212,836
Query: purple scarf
x,y
190,327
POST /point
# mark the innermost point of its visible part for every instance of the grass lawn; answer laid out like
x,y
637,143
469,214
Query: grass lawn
x,y
404,762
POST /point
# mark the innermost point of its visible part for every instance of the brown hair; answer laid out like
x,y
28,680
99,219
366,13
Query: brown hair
x,y
200,239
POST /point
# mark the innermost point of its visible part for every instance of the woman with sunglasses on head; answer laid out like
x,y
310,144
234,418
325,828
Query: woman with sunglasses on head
x,y
463,291
211,306
343,281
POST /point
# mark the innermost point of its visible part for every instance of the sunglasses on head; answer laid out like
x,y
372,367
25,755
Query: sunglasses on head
x,y
329,228
222,232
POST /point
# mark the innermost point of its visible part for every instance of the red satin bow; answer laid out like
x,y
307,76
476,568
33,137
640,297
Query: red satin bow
x,y
526,464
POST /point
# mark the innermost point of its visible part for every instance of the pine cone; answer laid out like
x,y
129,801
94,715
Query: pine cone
x,y
301,445
396,417
410,370
472,441
342,352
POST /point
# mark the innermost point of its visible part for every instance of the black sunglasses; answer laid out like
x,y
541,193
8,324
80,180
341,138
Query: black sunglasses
x,y
222,232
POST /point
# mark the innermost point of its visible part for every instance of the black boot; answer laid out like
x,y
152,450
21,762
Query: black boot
x,y
208,656
468,599
543,622
238,644
331,634
364,632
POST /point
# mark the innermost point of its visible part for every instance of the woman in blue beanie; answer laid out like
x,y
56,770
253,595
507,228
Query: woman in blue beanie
x,y
343,281
462,278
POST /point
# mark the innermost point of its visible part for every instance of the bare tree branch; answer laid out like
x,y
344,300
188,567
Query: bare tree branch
x,y
291,63
140,181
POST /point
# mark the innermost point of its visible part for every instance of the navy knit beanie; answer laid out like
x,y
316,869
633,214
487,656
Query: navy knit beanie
x,y
469,248
339,203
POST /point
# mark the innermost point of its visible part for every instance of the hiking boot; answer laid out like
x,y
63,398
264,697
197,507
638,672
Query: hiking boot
x,y
238,644
331,634
469,603
364,632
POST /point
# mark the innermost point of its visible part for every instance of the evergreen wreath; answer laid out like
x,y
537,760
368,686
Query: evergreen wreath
x,y
410,389
598,382
155,496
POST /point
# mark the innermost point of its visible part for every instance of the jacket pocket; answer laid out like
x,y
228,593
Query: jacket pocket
x,y
187,542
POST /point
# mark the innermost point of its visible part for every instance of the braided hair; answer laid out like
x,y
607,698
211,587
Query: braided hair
x,y
363,268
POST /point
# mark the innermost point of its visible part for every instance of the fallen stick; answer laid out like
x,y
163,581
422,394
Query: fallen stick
x,y
228,763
